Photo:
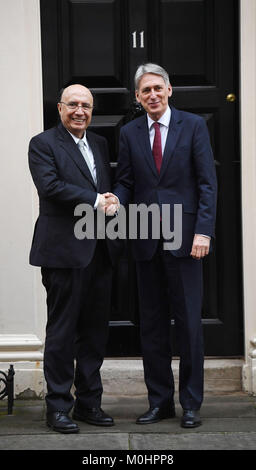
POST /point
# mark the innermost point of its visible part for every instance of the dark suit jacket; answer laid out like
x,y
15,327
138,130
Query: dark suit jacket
x,y
187,177
63,181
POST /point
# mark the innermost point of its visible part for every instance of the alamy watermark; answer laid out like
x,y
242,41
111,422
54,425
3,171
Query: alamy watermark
x,y
144,222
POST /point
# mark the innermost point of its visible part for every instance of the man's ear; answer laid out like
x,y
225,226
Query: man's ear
x,y
170,90
137,96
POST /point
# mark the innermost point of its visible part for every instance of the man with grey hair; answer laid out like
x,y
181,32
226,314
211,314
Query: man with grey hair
x,y
165,157
150,68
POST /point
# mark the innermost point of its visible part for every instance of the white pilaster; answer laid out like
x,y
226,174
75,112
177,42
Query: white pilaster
x,y
248,169
22,309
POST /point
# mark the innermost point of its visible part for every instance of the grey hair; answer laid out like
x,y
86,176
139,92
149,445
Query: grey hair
x,y
150,68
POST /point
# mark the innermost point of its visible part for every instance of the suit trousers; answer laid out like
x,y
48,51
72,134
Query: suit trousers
x,y
78,304
166,282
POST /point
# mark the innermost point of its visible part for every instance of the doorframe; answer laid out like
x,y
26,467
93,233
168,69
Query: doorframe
x,y
248,181
247,125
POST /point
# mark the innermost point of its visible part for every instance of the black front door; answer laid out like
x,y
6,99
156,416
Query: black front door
x,y
99,43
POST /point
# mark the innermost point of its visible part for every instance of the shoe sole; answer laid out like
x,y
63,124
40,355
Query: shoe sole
x,y
62,430
88,421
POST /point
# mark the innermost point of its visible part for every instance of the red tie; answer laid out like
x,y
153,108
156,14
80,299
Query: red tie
x,y
157,147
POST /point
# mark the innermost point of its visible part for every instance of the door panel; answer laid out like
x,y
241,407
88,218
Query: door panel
x,y
100,43
90,42
186,40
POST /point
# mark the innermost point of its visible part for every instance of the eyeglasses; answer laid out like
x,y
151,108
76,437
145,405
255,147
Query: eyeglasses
x,y
73,106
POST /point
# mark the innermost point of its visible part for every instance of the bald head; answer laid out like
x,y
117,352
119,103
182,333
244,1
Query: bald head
x,y
75,109
72,89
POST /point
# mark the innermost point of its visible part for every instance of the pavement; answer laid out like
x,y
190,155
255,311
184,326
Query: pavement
x,y
228,423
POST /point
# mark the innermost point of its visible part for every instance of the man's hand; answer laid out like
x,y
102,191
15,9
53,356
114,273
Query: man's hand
x,y
112,203
108,203
200,247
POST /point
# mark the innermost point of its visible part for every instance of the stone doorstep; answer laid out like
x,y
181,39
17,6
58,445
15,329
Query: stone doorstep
x,y
125,377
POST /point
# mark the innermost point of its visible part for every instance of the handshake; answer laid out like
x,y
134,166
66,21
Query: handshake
x,y
108,203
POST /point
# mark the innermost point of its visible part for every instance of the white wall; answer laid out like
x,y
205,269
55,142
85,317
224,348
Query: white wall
x,y
248,149
21,299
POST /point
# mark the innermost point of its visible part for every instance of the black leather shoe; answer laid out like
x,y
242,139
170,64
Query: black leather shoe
x,y
60,421
190,419
153,415
93,416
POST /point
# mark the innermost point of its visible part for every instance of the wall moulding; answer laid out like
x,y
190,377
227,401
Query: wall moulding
x,y
20,348
249,370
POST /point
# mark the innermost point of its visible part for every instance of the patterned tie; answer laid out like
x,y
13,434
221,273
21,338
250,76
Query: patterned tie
x,y
82,148
157,147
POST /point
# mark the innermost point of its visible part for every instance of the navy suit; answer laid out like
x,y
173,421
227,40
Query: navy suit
x,y
76,273
63,180
187,177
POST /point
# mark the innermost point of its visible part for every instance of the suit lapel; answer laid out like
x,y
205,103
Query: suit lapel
x,y
70,147
97,156
172,137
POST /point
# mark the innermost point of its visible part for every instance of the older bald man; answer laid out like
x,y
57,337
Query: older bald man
x,y
70,166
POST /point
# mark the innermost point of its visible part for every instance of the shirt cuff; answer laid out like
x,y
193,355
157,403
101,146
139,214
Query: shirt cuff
x,y
202,235
97,201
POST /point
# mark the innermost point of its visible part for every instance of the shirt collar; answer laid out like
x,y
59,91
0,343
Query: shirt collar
x,y
76,139
164,119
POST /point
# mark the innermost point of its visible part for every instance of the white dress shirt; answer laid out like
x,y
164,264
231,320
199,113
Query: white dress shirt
x,y
164,122
88,151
